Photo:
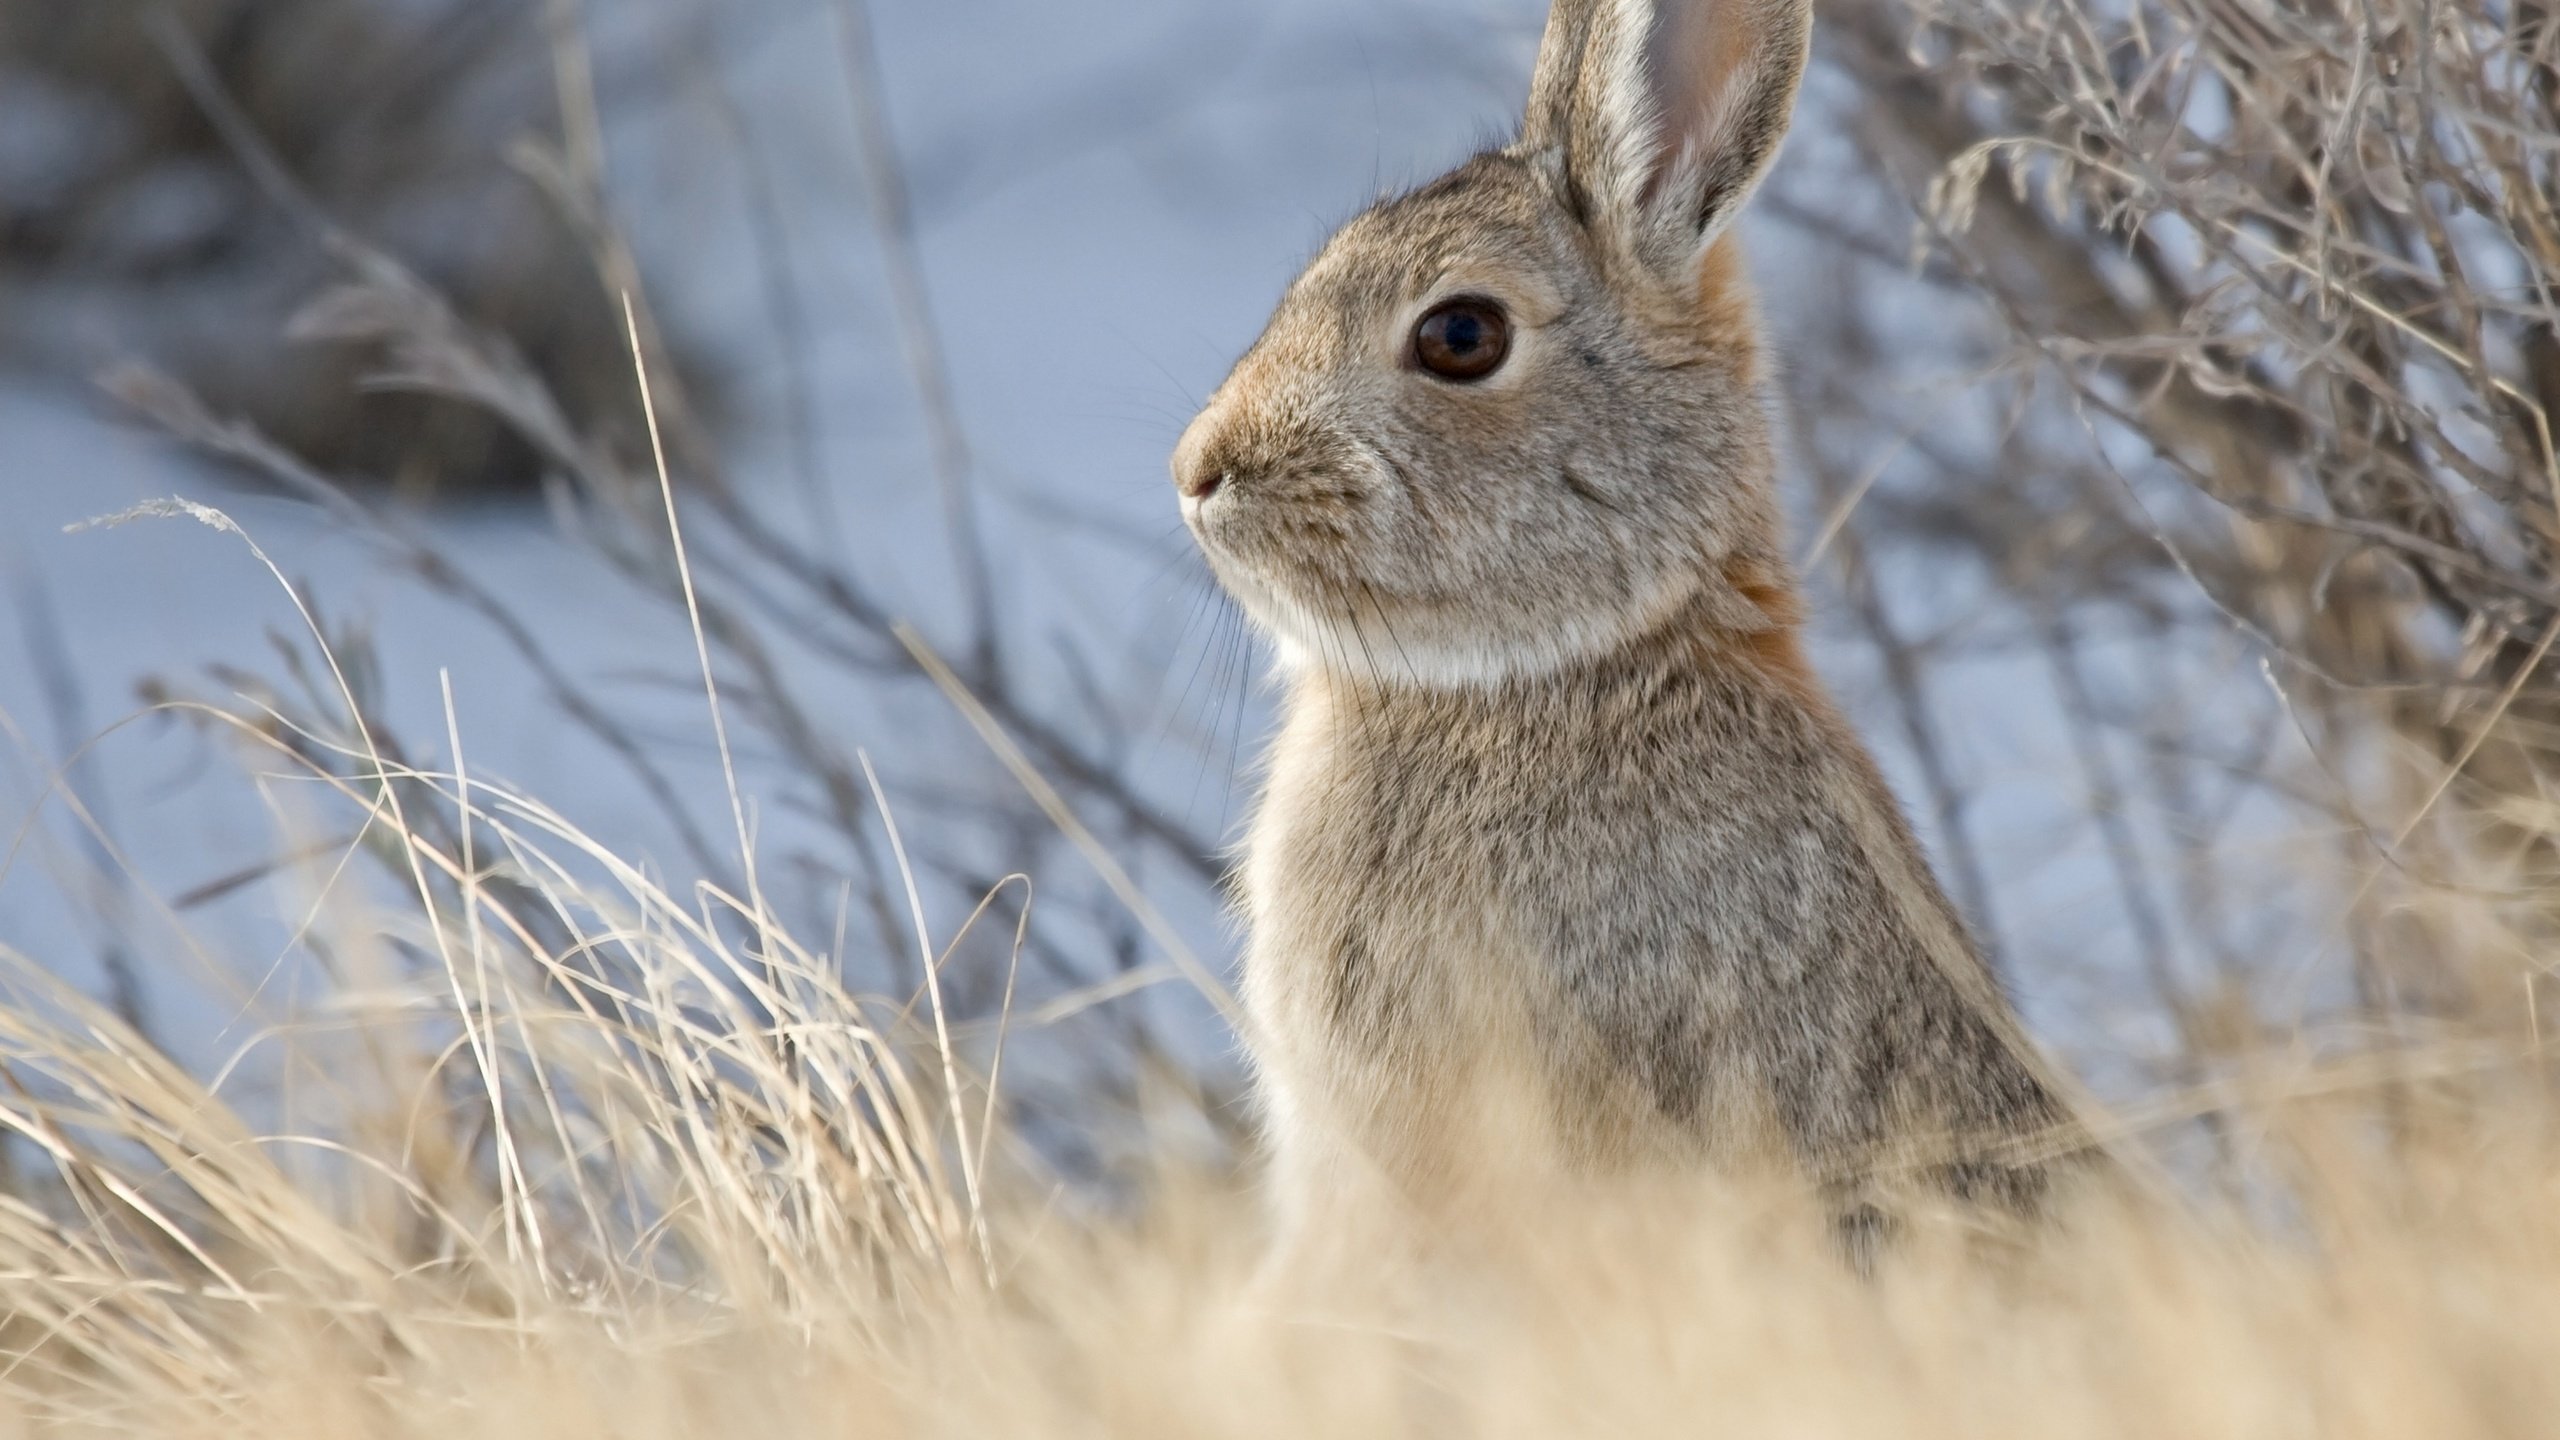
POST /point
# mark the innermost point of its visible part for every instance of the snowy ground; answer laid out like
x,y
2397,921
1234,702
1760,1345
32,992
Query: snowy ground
x,y
1110,198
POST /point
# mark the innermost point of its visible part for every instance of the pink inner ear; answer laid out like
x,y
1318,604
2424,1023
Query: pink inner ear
x,y
1700,49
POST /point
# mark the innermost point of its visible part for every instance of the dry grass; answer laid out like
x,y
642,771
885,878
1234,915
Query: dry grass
x,y
649,1182
559,1148
559,1151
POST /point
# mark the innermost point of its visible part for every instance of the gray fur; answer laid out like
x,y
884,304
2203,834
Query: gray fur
x,y
1566,867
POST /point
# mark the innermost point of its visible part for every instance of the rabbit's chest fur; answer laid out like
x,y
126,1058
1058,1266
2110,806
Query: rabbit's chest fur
x,y
1575,927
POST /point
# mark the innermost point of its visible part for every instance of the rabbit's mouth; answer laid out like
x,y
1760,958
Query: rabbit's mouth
x,y
1316,576
1332,553
1294,554
1329,619
1307,525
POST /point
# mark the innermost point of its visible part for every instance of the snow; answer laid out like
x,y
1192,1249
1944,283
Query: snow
x,y
1114,196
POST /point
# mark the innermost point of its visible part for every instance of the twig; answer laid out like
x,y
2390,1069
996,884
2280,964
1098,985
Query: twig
x,y
893,221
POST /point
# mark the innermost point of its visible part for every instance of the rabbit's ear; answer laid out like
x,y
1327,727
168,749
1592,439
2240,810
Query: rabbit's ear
x,y
1664,114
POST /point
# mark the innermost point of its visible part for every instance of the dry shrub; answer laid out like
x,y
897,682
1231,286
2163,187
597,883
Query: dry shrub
x,y
136,229
2246,431
2306,256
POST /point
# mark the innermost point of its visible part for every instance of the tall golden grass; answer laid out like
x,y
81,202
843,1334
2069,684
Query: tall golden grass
x,y
560,1149
563,1152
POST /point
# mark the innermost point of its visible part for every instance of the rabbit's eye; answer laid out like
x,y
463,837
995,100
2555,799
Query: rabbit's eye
x,y
1463,340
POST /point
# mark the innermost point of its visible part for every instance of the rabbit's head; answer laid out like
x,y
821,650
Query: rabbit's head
x,y
1514,418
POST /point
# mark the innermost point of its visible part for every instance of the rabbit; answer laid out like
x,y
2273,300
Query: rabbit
x,y
1565,865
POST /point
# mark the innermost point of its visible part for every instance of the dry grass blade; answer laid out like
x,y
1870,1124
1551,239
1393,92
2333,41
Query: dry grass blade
x,y
547,1143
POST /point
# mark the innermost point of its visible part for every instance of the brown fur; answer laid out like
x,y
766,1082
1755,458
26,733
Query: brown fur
x,y
1567,867
1727,318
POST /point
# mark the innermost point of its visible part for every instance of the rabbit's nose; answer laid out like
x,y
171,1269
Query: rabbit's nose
x,y
1202,481
1204,461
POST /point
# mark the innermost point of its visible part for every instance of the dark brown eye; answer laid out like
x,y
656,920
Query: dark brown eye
x,y
1463,340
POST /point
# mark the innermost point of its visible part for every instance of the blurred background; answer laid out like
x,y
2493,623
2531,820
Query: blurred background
x,y
2167,398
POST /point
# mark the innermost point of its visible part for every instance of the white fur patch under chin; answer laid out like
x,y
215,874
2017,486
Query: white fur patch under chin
x,y
1379,653
1421,667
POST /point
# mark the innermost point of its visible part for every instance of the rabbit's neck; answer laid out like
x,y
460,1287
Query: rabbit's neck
x,y
1741,625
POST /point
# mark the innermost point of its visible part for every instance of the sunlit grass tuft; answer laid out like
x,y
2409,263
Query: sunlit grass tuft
x,y
560,1151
